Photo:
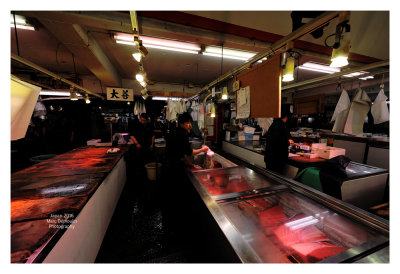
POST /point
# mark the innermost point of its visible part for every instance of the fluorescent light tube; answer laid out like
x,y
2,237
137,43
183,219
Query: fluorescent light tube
x,y
56,93
171,49
125,42
169,43
230,52
28,27
20,22
225,56
319,68
164,98
354,74
158,43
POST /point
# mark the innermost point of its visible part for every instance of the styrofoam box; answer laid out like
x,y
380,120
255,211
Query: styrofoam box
x,y
317,146
330,152
310,155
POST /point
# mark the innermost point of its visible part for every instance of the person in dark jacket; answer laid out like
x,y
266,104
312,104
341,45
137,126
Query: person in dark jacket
x,y
276,149
175,187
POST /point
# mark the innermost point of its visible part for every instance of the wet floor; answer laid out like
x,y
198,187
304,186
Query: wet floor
x,y
136,233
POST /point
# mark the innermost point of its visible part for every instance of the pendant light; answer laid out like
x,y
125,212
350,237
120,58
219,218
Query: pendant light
x,y
87,100
225,93
288,71
213,111
140,76
341,47
72,94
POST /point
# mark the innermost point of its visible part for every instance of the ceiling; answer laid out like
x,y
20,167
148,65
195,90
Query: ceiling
x,y
79,45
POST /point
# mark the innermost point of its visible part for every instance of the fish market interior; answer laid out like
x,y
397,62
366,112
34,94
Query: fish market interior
x,y
199,136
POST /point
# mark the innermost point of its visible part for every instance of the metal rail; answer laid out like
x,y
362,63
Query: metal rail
x,y
337,81
55,76
338,74
307,28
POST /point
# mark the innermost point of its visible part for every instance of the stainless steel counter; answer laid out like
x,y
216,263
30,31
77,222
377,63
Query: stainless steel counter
x,y
268,218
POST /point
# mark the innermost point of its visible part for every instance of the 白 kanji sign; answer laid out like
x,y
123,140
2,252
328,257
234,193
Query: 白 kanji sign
x,y
120,94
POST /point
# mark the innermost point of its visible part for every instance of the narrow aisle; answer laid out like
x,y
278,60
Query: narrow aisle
x,y
136,232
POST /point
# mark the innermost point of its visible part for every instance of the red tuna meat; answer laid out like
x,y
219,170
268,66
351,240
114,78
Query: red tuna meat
x,y
259,203
314,252
272,216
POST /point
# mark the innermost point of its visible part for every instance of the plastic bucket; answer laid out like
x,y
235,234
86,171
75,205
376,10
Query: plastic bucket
x,y
151,170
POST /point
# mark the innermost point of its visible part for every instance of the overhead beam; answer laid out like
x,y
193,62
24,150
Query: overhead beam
x,y
110,76
82,45
307,28
55,76
338,74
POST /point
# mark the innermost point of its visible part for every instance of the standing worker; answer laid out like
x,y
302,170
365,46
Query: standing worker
x,y
276,149
175,186
142,136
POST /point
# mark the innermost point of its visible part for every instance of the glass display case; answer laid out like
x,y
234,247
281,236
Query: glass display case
x,y
269,222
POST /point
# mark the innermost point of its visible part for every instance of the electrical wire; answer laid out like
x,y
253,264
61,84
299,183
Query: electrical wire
x,y
16,35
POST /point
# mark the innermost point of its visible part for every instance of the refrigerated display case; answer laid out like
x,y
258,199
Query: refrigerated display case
x,y
270,219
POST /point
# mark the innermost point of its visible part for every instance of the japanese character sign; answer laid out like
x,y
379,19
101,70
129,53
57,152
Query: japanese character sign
x,y
120,94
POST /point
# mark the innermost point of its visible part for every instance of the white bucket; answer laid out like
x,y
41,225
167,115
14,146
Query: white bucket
x,y
151,170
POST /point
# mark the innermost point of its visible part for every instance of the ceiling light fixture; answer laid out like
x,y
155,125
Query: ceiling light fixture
x,y
213,111
140,51
288,71
72,95
288,63
354,74
20,22
165,44
57,93
140,76
228,53
225,93
165,98
87,100
341,47
318,68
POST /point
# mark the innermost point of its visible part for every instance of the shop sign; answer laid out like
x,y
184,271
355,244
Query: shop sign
x,y
120,94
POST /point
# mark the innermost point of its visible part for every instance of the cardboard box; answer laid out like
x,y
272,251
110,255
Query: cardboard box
x,y
330,152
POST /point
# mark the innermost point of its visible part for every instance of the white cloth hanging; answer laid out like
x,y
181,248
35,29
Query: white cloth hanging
x,y
358,111
264,123
379,109
341,112
143,108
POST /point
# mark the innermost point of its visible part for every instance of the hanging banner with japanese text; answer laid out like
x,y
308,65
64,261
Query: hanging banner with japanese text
x,y
120,94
